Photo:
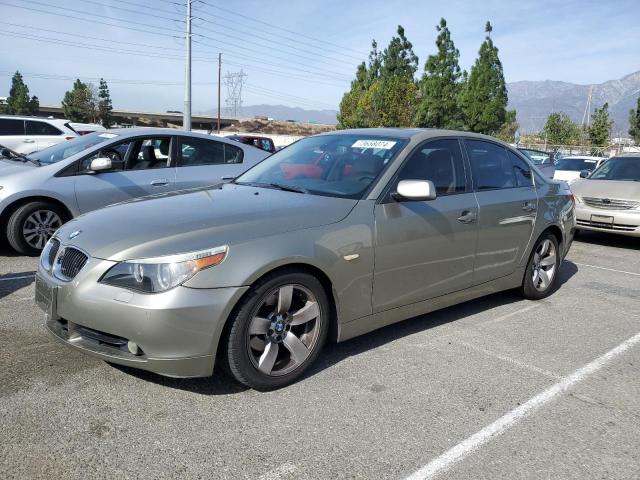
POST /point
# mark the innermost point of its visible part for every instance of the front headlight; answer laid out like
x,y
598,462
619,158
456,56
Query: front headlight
x,y
154,275
578,199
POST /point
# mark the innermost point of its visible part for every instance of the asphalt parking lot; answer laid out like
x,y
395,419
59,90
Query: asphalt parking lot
x,y
498,388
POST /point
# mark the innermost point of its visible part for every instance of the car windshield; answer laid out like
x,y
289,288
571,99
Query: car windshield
x,y
333,165
618,168
576,164
67,148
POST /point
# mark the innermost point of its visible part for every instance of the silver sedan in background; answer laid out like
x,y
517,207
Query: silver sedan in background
x,y
41,191
334,236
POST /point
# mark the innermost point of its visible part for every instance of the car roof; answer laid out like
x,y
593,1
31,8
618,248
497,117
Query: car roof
x,y
32,117
137,131
412,133
582,157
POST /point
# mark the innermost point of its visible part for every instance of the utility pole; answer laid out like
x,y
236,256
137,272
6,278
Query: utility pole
x,y
186,122
219,86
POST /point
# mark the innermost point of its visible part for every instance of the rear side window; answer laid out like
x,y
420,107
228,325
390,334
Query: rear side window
x,y
521,170
9,126
492,168
439,161
200,151
41,128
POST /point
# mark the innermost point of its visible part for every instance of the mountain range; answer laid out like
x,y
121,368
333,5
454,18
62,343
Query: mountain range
x,y
533,101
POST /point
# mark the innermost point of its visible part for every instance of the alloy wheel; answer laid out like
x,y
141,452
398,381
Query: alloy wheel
x,y
284,330
39,227
544,265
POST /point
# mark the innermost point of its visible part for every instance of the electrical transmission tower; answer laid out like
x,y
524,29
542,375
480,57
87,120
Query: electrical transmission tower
x,y
234,83
586,116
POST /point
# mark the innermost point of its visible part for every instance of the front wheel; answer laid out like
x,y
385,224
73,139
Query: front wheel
x,y
278,330
32,225
542,269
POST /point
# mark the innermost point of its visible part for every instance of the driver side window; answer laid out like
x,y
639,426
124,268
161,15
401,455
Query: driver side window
x,y
439,161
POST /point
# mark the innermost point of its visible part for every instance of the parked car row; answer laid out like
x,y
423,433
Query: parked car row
x,y
334,236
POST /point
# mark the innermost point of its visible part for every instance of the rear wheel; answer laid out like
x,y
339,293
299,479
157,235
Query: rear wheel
x,y
278,330
542,269
32,225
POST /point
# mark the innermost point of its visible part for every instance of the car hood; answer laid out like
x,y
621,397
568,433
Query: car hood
x,y
9,167
199,219
624,190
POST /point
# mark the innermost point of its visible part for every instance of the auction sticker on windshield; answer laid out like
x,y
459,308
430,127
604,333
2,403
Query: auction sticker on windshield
x,y
381,144
108,135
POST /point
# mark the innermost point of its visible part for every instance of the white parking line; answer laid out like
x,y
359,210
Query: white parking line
x,y
510,360
605,268
6,279
509,315
475,441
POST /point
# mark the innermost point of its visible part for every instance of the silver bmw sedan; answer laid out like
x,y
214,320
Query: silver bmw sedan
x,y
334,236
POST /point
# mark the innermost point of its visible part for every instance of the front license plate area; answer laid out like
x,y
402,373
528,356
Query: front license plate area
x,y
602,220
46,298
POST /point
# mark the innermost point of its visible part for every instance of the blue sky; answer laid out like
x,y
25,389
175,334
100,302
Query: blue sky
x,y
308,52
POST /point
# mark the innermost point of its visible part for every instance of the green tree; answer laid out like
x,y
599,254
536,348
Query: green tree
x,y
507,132
80,104
600,128
440,85
384,91
19,102
634,123
484,96
398,59
559,129
105,107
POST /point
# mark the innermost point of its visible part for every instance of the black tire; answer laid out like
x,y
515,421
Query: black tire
x,y
20,216
528,290
236,357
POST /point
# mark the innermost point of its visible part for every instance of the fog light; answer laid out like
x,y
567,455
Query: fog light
x,y
133,347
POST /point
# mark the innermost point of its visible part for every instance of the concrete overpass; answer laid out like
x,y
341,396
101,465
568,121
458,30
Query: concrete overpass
x,y
126,118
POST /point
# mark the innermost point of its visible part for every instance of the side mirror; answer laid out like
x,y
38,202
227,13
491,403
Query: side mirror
x,y
585,173
101,164
415,190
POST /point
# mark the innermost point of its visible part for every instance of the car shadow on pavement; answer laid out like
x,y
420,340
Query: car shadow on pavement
x,y
608,240
334,353
12,282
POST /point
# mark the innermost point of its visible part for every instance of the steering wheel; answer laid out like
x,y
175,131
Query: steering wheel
x,y
113,155
370,178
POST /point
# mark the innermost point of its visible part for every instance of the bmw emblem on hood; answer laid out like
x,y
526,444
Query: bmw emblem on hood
x,y
73,235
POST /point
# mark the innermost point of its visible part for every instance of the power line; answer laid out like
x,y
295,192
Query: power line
x,y
93,21
138,12
342,47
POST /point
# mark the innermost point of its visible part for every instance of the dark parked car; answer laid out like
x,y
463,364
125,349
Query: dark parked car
x,y
263,143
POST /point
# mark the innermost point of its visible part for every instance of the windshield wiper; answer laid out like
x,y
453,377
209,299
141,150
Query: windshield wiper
x,y
289,188
26,158
279,186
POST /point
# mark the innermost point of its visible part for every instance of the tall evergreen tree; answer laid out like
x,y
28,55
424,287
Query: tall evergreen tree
x,y
600,128
559,129
19,102
105,107
79,104
484,96
634,123
398,58
440,85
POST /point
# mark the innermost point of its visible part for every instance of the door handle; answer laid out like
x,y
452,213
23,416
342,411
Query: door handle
x,y
467,217
228,177
29,141
160,182
528,207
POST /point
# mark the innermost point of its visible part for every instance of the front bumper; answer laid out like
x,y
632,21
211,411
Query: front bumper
x,y
177,331
623,222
